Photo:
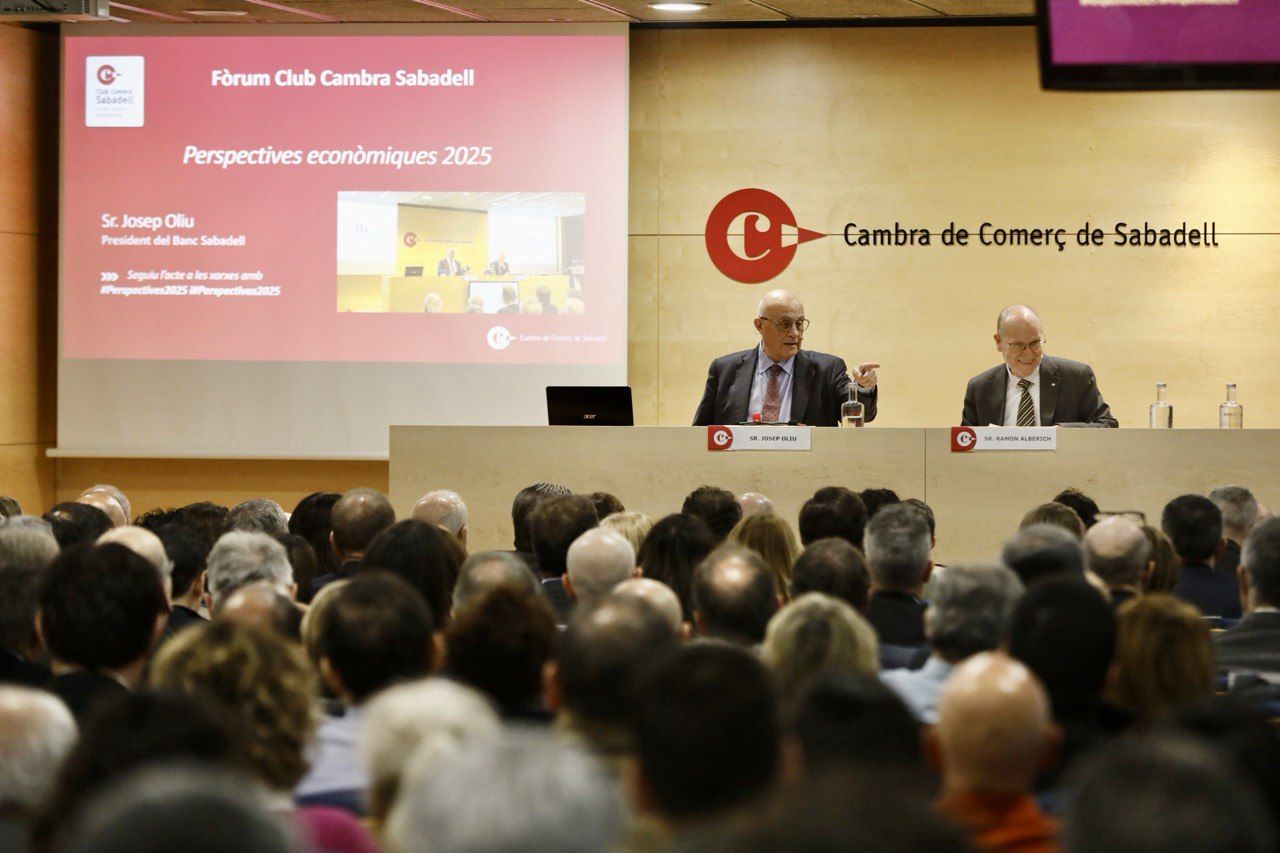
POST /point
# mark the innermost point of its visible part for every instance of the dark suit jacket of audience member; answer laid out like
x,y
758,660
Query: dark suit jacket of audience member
x,y
1215,593
1068,396
81,691
15,669
1229,560
819,386
553,589
898,618
1251,646
181,617
346,570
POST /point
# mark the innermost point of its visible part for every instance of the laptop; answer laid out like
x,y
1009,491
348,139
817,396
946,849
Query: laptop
x,y
589,405
412,272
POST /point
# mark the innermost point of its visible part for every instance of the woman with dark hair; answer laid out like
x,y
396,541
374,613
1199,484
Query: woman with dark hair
x,y
671,552
426,556
303,559
312,520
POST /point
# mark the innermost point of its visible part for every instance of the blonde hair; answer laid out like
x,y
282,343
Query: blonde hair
x,y
253,674
771,537
634,526
815,635
1164,656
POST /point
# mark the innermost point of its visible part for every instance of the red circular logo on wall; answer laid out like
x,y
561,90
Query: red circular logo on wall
x,y
752,235
107,75
410,239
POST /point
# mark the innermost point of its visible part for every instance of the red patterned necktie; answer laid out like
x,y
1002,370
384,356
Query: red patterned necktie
x,y
772,395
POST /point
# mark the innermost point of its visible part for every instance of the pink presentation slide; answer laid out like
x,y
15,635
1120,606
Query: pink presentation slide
x,y
345,198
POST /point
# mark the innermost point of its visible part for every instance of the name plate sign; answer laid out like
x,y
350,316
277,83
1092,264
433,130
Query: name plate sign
x,y
966,439
759,437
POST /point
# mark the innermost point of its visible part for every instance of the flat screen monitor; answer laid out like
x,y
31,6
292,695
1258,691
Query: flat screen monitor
x,y
580,405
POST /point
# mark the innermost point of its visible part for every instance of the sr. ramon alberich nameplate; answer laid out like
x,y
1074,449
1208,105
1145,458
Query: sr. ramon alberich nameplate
x,y
966,439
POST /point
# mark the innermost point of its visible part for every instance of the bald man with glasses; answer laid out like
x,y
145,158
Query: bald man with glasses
x,y
778,380
1031,388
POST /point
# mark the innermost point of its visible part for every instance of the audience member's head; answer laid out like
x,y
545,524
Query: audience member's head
x,y
833,511
488,569
848,721
206,518
1117,551
1260,562
1165,566
707,733
1083,505
358,517
312,519
927,512
443,508
303,561
313,620
261,515
770,536
635,526
241,558
101,608
435,715
499,645
1065,631
754,503
424,556
76,523
1059,515
833,567
1042,551
877,499
1164,656
734,596
995,731
36,734
1163,795
187,553
118,496
597,561
1239,510
672,551
554,525
262,605
898,547
106,503
256,679
813,636
717,507
970,609
9,507
517,792
1193,524
522,508
146,545
25,554
661,598
606,504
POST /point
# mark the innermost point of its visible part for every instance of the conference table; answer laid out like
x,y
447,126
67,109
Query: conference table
x,y
978,498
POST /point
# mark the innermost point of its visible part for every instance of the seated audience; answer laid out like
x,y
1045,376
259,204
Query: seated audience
x,y
526,500
1164,657
754,503
1083,505
1059,515
1041,551
102,609
994,734
1243,734
606,504
357,518
877,499
303,560
833,567
488,569
1194,524
1117,552
969,613
312,519
446,509
672,552
424,556
377,632
708,742
75,523
312,621
833,511
26,551
187,554
1162,575
239,559
770,536
106,503
1239,510
258,515
597,561
717,507
811,637
634,526
206,518
115,494
263,606
658,596
734,596
36,734
899,562
146,545
554,525
1253,645
499,645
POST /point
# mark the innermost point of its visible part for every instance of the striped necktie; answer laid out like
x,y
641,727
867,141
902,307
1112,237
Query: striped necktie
x,y
1026,410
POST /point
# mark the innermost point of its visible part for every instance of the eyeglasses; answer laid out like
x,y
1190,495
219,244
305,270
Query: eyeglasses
x,y
786,324
1036,346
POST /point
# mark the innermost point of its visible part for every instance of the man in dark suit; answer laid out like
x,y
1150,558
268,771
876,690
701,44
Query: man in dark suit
x,y
500,266
27,547
1253,646
449,265
898,548
1194,525
1030,388
778,380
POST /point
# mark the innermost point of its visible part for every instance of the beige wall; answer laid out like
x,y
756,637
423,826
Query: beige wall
x,y
920,125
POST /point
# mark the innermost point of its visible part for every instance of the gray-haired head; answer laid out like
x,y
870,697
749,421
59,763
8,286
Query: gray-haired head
x,y
261,515
108,504
970,608
1117,551
26,550
119,496
241,557
898,547
525,791
9,507
1239,510
488,569
1260,559
1040,550
442,508
146,545
36,733
597,561
657,595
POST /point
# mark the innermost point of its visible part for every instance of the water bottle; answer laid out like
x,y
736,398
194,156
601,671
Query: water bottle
x,y
1162,409
1231,413
852,411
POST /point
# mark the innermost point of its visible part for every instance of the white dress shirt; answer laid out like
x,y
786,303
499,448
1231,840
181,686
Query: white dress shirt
x,y
760,384
1013,396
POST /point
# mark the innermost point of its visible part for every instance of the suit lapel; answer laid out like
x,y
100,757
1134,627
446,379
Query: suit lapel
x,y
740,389
1048,390
996,391
801,370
